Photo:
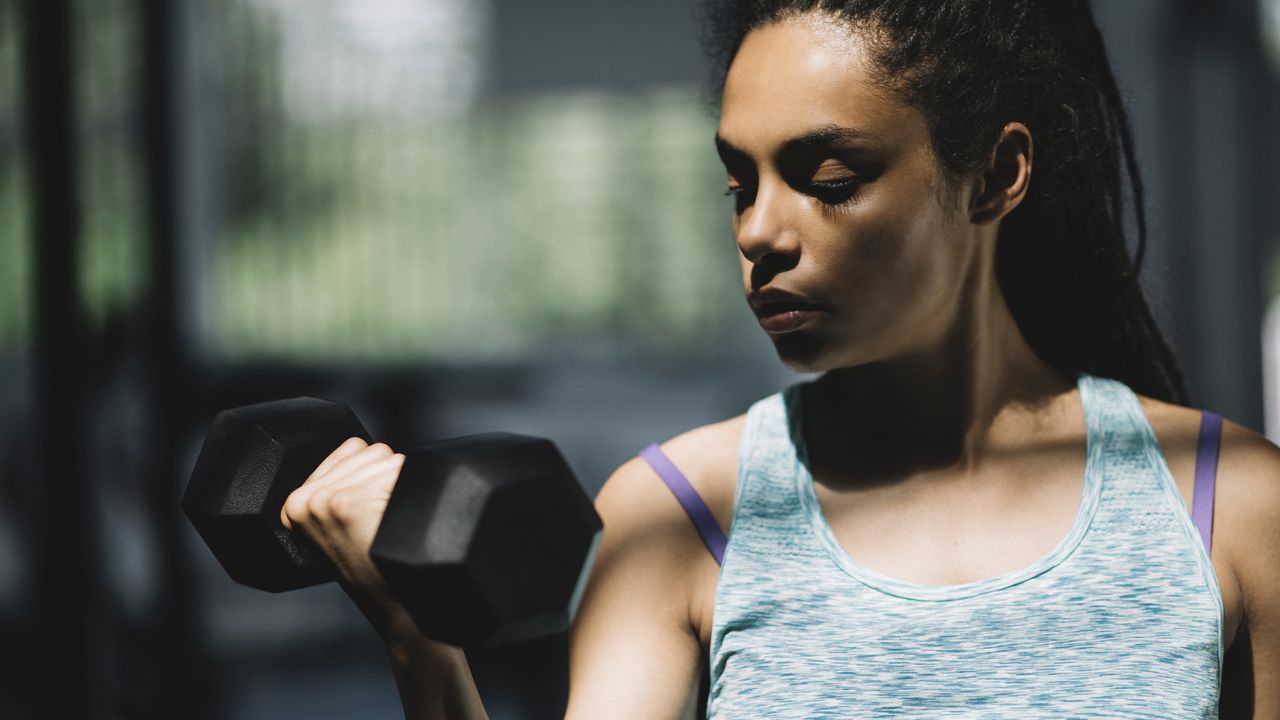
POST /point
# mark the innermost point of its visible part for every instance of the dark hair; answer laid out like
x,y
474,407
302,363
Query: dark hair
x,y
973,66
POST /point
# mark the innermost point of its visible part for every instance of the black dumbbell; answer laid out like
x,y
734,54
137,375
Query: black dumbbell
x,y
486,539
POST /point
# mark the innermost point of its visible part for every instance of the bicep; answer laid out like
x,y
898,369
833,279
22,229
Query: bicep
x,y
1252,464
1260,640
1261,581
633,651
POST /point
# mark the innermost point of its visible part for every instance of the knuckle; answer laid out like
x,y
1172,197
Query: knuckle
x,y
296,507
342,506
319,504
352,442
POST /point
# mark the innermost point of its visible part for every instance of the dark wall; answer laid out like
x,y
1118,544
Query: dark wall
x,y
574,43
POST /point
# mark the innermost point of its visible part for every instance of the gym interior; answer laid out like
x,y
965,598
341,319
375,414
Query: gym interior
x,y
456,216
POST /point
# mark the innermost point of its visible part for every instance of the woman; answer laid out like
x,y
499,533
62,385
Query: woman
x,y
981,508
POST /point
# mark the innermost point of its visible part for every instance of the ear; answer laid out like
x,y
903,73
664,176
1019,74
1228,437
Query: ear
x,y
1003,181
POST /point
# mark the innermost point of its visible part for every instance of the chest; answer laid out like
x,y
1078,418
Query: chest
x,y
1124,614
940,532
961,533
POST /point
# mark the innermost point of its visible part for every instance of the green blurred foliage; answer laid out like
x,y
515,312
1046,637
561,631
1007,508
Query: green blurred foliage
x,y
523,224
16,287
520,225
539,220
113,229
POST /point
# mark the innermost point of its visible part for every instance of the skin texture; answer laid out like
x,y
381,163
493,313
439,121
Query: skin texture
x,y
962,457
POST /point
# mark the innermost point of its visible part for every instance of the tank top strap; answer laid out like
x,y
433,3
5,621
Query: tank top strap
x,y
768,458
1124,447
1140,494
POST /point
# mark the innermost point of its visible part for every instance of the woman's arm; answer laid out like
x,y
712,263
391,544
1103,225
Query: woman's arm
x,y
637,646
635,650
1248,519
434,680
339,507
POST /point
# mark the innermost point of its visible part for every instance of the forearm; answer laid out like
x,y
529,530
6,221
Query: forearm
x,y
434,681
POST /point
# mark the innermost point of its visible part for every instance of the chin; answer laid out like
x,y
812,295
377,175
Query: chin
x,y
806,353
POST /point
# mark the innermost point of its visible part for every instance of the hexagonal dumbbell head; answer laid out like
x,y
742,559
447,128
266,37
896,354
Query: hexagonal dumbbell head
x,y
487,539
253,457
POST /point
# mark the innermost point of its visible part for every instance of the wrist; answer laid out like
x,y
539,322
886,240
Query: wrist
x,y
433,679
408,646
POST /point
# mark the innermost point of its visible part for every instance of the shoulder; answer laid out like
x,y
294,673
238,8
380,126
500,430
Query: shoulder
x,y
1246,499
707,456
1247,517
635,642
1248,474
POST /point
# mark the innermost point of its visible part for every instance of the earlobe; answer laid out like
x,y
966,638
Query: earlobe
x,y
1005,178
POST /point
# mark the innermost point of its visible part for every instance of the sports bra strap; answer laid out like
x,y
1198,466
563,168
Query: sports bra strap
x,y
1206,474
703,521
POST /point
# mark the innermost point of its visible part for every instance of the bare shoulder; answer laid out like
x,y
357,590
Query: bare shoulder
x,y
707,456
1177,427
1247,523
1248,475
636,642
1247,489
1246,549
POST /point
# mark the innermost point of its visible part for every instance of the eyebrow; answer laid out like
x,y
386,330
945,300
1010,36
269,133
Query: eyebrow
x,y
820,138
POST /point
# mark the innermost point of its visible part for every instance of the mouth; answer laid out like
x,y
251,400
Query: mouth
x,y
782,312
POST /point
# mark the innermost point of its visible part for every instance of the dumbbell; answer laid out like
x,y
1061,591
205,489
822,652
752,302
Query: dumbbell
x,y
486,539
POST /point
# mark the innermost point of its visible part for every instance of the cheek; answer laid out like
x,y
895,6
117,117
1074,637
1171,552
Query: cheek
x,y
897,268
901,255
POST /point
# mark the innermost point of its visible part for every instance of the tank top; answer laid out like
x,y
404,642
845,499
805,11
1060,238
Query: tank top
x,y
1122,619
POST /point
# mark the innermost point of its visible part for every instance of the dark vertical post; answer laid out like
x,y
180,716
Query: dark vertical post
x,y
177,652
64,584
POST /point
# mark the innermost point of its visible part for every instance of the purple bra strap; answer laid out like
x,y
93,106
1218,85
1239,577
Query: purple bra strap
x,y
1206,474
703,521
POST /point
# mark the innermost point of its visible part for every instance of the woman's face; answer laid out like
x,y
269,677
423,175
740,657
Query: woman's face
x,y
851,251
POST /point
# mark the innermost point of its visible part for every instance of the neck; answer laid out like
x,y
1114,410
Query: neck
x,y
940,409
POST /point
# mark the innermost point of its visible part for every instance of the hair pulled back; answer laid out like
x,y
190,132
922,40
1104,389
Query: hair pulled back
x,y
973,66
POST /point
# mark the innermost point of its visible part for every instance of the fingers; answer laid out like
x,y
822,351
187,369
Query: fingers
x,y
349,464
379,474
352,463
348,448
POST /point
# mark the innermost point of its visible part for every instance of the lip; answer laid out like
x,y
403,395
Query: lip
x,y
780,311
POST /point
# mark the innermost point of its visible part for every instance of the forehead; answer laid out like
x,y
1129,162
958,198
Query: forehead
x,y
805,72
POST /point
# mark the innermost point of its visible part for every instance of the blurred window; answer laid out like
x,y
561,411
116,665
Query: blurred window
x,y
371,204
110,170
360,198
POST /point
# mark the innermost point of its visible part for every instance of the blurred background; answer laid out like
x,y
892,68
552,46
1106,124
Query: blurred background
x,y
457,216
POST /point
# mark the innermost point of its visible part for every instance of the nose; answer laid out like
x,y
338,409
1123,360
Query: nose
x,y
766,232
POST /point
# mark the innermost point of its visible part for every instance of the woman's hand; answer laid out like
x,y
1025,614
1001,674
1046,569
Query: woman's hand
x,y
339,508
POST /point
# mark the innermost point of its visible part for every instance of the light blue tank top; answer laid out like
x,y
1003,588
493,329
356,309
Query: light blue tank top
x,y
1123,619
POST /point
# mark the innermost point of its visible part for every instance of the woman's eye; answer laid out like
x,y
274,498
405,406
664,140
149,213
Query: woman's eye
x,y
834,192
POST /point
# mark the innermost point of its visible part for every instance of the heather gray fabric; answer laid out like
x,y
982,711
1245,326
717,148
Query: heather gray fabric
x,y
1121,620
